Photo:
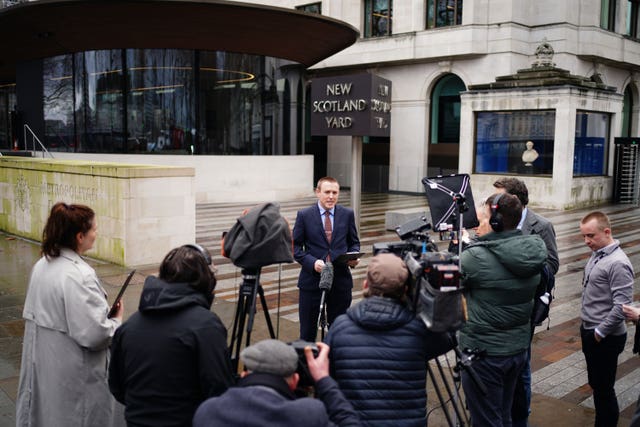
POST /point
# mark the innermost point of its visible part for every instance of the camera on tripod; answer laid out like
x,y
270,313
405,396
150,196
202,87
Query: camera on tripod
x,y
434,290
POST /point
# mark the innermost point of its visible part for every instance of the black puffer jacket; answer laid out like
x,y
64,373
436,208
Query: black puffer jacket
x,y
379,352
169,356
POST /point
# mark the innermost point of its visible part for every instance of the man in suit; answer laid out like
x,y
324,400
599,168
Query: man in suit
x,y
321,233
530,223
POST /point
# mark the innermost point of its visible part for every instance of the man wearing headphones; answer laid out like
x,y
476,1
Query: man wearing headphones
x,y
500,273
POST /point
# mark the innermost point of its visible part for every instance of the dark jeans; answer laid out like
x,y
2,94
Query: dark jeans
x,y
338,300
499,375
522,395
602,363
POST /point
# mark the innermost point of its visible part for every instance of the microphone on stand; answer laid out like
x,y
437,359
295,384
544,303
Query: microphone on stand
x,y
326,281
326,277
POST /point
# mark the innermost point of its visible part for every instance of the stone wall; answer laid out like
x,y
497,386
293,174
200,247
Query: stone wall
x,y
142,211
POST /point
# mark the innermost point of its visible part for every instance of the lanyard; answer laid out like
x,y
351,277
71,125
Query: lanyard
x,y
601,255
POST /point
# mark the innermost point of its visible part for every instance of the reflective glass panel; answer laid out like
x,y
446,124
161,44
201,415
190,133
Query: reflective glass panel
x,y
590,151
237,103
160,101
58,103
99,101
515,142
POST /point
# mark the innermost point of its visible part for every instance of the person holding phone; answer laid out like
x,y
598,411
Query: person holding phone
x,y
63,378
172,354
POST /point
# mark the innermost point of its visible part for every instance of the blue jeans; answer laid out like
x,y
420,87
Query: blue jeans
x,y
499,375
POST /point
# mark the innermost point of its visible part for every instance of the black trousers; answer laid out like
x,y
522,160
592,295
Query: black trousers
x,y
602,363
338,300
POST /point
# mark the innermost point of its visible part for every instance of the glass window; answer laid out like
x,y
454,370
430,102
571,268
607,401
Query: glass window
x,y
444,13
377,18
233,93
590,151
445,110
160,101
515,142
8,124
633,7
311,8
608,14
58,103
99,101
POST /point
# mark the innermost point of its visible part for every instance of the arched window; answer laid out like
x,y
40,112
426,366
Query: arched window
x,y
445,125
445,110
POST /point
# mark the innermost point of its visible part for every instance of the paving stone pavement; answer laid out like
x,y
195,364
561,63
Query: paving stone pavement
x,y
561,396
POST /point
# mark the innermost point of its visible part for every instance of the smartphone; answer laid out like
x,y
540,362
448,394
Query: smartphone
x,y
114,307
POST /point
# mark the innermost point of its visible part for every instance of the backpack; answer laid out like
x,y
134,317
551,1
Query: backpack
x,y
543,297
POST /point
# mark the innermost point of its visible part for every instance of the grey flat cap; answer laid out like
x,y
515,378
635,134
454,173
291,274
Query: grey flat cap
x,y
270,357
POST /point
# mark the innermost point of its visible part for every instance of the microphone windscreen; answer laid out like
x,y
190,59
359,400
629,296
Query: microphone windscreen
x,y
326,277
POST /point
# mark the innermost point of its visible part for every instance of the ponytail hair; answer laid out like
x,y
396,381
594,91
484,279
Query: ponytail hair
x,y
63,225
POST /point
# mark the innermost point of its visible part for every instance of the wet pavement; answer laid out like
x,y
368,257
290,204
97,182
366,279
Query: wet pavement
x,y
561,396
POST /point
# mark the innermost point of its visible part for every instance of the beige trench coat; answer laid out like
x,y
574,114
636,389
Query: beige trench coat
x,y
63,378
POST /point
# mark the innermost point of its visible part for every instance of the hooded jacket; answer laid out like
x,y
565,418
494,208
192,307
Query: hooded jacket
x,y
500,273
169,356
378,356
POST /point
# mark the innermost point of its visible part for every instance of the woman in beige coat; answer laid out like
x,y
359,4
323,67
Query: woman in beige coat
x,y
63,378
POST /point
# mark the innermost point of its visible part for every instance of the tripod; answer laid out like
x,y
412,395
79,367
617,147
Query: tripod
x,y
463,363
246,310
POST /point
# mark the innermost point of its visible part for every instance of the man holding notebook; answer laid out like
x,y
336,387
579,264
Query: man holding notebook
x,y
321,234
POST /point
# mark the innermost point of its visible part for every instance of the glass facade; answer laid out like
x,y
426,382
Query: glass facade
x,y
162,101
519,142
590,151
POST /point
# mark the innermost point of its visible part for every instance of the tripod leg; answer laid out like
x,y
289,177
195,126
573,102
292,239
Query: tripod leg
x,y
440,397
238,326
252,311
453,395
263,300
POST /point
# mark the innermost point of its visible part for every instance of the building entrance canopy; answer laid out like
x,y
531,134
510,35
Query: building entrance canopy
x,y
47,28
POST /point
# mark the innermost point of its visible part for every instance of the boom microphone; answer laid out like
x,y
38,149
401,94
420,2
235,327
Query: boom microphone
x,y
326,277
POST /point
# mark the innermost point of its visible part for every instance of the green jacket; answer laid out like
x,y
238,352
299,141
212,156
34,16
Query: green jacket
x,y
500,273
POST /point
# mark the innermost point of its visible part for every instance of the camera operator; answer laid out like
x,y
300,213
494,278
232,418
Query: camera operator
x,y
500,273
380,349
172,353
265,393
530,223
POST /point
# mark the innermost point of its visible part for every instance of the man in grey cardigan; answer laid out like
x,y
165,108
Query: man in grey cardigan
x,y
607,285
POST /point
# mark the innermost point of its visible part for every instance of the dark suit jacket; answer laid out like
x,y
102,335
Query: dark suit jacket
x,y
310,244
536,224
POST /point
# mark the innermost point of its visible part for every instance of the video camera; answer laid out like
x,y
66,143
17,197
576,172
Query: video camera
x,y
434,290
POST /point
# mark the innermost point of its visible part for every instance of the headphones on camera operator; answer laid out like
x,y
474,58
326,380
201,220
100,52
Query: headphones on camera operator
x,y
495,221
205,253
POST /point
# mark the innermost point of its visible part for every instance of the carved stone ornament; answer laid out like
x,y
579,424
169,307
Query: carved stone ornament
x,y
544,55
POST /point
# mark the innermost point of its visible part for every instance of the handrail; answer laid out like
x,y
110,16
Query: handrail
x,y
34,138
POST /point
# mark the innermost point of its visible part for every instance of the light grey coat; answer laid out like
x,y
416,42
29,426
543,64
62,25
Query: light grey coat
x,y
63,378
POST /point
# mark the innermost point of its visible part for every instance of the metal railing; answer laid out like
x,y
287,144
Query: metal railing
x,y
34,138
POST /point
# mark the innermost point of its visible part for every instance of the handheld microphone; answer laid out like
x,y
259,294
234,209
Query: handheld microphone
x,y
326,277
